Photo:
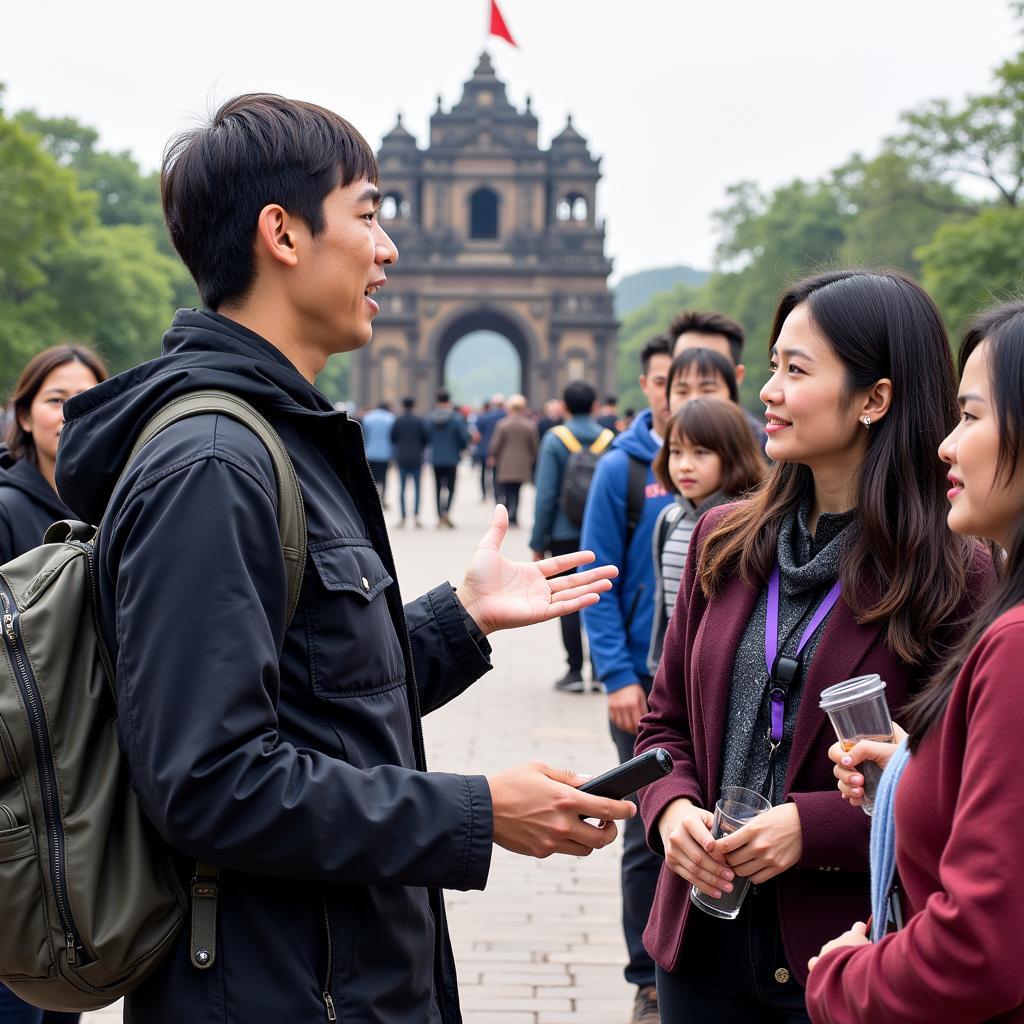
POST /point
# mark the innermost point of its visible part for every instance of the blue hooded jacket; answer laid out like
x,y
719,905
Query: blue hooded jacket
x,y
619,626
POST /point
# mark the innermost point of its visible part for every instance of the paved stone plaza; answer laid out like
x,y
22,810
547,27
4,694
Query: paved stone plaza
x,y
542,945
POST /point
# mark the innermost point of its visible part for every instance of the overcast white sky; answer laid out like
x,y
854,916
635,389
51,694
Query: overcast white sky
x,y
680,98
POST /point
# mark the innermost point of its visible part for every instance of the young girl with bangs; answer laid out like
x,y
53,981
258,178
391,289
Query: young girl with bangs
x,y
709,457
948,813
839,565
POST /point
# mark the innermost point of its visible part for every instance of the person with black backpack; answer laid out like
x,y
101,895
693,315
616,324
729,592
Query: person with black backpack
x,y
565,465
268,682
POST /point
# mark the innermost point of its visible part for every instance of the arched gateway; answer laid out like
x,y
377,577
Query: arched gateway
x,y
496,234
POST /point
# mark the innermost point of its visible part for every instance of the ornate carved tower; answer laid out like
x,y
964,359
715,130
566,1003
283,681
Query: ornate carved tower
x,y
494,233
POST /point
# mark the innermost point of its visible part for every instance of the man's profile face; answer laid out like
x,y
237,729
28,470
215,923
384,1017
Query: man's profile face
x,y
716,342
652,383
340,270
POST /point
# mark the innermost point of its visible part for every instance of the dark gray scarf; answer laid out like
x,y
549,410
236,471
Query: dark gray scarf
x,y
808,566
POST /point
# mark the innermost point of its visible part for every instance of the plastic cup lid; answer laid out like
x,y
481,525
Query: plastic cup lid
x,y
851,691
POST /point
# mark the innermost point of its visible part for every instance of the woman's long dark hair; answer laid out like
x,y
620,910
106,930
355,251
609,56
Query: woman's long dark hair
x,y
1003,329
38,368
903,555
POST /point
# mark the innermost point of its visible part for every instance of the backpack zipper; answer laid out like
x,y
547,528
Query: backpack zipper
x,y
10,816
44,761
328,999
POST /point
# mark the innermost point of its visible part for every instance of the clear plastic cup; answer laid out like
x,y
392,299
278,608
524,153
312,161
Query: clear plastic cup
x,y
858,711
736,807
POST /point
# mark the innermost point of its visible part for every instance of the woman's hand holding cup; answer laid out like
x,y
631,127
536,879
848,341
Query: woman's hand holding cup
x,y
685,831
850,780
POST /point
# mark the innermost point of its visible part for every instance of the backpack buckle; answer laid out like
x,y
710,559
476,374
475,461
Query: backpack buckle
x,y
203,931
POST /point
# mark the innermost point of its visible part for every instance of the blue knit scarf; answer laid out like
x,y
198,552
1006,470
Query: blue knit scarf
x,y
883,841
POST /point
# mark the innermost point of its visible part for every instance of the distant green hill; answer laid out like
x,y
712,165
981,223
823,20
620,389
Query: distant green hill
x,y
636,290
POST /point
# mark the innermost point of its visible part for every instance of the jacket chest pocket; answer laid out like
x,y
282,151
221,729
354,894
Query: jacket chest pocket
x,y
353,646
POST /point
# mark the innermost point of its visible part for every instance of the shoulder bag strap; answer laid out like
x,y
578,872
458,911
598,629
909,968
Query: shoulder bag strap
x,y
291,514
291,523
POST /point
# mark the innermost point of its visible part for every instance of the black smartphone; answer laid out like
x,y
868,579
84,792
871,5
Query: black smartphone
x,y
631,776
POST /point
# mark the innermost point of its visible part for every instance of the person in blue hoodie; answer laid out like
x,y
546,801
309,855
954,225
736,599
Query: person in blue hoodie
x,y
619,528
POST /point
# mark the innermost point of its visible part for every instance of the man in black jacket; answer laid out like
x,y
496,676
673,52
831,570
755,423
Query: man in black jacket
x,y
291,754
410,438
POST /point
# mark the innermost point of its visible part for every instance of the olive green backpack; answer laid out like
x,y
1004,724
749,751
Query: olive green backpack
x,y
89,897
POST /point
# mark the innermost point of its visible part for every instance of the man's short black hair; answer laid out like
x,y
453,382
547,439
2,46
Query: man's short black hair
x,y
579,397
258,149
443,395
659,345
710,322
610,400
408,403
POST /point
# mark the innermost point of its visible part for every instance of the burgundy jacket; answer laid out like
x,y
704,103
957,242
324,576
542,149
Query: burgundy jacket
x,y
829,888
959,826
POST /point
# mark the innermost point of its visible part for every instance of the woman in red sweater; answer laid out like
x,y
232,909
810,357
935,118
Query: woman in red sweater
x,y
959,805
845,553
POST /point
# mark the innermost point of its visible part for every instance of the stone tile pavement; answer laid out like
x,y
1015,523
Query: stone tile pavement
x,y
542,944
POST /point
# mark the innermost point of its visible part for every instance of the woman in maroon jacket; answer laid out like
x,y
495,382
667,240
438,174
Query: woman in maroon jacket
x,y
959,804
844,551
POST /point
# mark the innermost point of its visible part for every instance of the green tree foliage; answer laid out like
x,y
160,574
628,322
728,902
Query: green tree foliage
x,y
971,265
944,201
86,256
637,329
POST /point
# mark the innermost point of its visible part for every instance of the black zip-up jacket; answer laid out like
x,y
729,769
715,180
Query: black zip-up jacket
x,y
410,437
291,757
28,505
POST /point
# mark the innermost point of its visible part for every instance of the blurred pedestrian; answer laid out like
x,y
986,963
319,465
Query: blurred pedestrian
x,y
492,414
449,438
377,425
513,451
29,503
554,531
554,413
410,438
608,414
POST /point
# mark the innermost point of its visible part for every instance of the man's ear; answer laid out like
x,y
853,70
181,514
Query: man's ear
x,y
877,401
275,234
741,373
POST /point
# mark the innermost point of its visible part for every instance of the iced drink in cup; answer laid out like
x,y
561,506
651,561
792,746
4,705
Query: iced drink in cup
x,y
733,811
858,711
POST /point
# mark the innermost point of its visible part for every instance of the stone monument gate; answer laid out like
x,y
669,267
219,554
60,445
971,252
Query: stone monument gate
x,y
494,233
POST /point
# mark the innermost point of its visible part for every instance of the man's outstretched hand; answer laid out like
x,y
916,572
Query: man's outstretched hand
x,y
501,594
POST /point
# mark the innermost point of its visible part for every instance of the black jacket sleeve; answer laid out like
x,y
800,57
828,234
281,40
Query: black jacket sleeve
x,y
446,656
199,579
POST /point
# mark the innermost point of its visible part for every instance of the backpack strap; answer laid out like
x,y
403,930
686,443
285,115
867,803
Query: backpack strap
x,y
291,523
291,514
636,493
604,439
567,437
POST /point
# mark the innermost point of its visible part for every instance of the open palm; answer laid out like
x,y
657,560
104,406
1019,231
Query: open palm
x,y
501,594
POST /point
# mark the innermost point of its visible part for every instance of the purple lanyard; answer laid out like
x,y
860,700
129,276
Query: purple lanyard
x,y
771,646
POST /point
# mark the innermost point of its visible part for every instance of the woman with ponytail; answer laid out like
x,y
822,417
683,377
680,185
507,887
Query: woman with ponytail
x,y
953,822
839,565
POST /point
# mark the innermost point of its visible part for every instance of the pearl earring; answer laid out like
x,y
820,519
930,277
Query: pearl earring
x,y
867,421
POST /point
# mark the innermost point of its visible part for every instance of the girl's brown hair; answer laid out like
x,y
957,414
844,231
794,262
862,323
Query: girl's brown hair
x,y
39,367
722,428
879,325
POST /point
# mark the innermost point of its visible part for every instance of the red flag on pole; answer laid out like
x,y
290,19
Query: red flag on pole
x,y
498,26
